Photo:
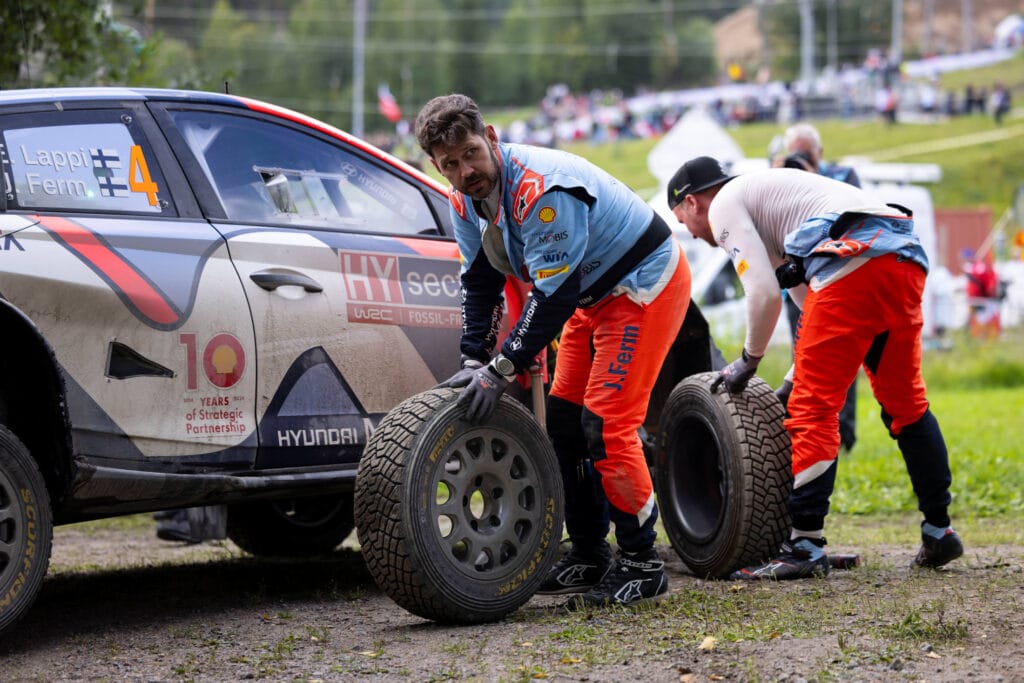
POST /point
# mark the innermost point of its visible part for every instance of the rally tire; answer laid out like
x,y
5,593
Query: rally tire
x,y
458,523
26,529
298,527
722,475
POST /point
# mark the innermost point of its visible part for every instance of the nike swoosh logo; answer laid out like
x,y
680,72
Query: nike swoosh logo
x,y
676,193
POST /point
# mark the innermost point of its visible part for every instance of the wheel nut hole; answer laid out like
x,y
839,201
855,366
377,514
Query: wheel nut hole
x,y
477,504
445,525
443,494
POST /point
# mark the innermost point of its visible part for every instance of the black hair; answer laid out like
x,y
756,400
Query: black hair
x,y
446,120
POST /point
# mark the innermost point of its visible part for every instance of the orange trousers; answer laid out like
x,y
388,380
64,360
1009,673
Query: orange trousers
x,y
609,357
872,317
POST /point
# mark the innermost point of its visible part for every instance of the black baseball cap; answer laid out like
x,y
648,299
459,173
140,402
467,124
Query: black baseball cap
x,y
694,176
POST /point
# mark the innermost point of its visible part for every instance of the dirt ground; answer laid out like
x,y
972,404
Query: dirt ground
x,y
120,605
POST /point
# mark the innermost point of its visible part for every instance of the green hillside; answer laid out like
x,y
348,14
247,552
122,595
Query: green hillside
x,y
982,164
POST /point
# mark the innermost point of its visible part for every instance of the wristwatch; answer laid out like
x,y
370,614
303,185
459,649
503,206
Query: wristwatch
x,y
504,366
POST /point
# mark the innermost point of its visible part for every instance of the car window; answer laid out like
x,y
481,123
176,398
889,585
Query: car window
x,y
725,286
264,172
79,161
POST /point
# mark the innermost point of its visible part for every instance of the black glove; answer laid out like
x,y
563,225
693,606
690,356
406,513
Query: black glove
x,y
482,393
736,374
783,392
463,376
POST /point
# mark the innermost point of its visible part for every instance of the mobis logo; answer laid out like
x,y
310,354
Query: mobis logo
x,y
549,237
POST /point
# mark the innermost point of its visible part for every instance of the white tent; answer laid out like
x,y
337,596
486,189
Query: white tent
x,y
695,134
1009,32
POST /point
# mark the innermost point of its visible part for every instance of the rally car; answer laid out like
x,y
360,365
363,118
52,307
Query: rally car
x,y
204,299
210,300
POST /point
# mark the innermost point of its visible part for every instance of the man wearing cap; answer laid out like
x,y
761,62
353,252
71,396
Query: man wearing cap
x,y
857,270
610,277
802,149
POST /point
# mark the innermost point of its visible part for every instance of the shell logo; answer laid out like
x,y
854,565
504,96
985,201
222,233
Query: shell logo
x,y
546,214
224,361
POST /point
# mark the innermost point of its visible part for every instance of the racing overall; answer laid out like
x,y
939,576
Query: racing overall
x,y
872,315
848,413
605,266
861,305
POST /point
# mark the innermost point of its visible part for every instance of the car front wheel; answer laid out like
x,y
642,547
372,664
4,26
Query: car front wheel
x,y
26,529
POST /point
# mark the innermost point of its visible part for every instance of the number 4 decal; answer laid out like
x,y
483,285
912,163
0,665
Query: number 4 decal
x,y
138,176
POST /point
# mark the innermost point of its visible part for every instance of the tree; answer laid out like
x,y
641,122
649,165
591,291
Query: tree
x,y
55,42
865,24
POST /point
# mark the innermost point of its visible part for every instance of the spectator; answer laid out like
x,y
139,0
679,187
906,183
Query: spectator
x,y
886,104
969,99
982,295
1000,102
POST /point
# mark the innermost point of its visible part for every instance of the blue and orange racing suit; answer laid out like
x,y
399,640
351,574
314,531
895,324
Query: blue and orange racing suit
x,y
606,267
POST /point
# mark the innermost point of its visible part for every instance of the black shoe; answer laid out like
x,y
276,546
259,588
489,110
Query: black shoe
x,y
936,552
634,579
580,570
174,525
797,559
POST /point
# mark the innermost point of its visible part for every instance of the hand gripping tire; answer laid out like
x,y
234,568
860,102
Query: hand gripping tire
x,y
722,475
26,529
458,523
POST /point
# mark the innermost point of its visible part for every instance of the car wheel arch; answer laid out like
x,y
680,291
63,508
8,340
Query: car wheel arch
x,y
35,381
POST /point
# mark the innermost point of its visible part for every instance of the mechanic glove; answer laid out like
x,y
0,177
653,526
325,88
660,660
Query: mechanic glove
x,y
463,376
481,395
783,392
736,374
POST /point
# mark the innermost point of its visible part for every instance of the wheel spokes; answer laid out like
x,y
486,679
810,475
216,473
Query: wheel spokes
x,y
486,503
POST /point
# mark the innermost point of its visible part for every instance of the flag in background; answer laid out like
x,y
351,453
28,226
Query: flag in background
x,y
387,105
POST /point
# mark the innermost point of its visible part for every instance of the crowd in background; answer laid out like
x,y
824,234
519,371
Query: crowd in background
x,y
878,87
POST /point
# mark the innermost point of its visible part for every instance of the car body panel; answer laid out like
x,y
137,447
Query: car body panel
x,y
206,334
121,280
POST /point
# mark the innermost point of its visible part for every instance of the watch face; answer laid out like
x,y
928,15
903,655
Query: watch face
x,y
505,366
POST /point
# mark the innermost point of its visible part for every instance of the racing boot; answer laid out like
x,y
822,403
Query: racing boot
x,y
581,569
798,558
635,578
938,546
174,525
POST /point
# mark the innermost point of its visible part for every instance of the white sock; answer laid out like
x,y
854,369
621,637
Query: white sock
x,y
935,531
797,533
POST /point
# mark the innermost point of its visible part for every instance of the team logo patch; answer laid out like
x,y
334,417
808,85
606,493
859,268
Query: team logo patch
x,y
741,267
546,214
458,202
530,188
845,248
545,273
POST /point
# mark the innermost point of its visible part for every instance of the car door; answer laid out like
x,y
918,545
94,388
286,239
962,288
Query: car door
x,y
131,288
353,289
